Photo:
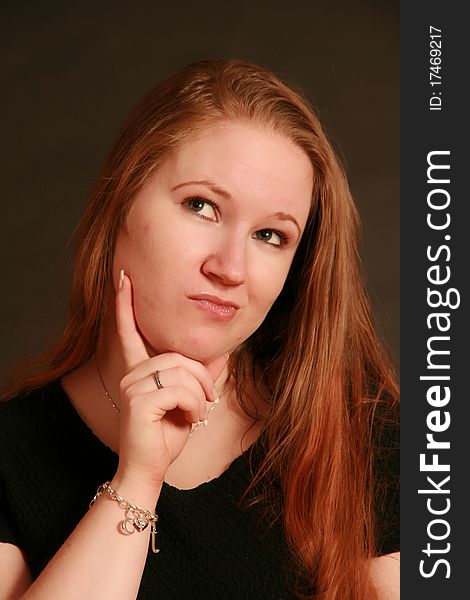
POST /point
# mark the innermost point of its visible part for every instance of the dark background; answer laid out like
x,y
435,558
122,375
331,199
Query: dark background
x,y
71,74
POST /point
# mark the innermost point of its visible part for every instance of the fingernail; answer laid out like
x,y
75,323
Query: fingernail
x,y
121,279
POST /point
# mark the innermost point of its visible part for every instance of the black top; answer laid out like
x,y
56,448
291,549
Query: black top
x,y
51,464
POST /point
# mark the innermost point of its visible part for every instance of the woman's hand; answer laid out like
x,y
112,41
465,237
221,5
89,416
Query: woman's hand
x,y
155,423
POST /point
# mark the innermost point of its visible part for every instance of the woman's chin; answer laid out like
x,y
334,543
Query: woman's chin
x,y
205,355
204,350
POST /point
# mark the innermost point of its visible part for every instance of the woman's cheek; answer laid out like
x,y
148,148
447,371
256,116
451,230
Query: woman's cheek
x,y
274,287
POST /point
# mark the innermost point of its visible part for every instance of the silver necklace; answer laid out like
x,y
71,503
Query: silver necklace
x,y
194,426
115,406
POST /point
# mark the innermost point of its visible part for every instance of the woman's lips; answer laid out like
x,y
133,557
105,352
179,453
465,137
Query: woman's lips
x,y
218,308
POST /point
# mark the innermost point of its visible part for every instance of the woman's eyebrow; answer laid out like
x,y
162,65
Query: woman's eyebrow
x,y
287,217
221,192
211,185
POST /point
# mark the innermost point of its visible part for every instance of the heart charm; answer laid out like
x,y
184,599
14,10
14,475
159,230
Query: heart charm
x,y
140,523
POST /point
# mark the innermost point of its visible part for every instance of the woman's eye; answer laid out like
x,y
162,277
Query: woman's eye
x,y
203,208
274,238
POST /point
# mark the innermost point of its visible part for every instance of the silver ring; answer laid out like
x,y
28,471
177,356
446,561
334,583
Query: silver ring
x,y
156,378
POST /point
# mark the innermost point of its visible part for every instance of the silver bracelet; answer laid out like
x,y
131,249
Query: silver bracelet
x,y
135,518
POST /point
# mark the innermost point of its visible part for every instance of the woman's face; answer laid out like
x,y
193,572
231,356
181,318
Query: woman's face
x,y
210,238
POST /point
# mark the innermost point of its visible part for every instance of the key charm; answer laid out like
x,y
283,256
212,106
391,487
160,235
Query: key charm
x,y
153,531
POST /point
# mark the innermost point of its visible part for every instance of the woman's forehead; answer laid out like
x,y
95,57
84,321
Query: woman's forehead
x,y
241,155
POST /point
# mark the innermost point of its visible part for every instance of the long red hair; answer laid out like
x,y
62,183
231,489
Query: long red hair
x,y
316,357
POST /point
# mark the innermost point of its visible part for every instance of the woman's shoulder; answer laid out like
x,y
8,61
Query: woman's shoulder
x,y
28,409
31,424
40,431
41,422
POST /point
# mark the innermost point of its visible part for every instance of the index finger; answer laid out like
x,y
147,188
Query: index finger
x,y
216,366
132,344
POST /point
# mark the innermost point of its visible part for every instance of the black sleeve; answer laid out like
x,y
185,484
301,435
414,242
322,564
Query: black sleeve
x,y
387,480
7,534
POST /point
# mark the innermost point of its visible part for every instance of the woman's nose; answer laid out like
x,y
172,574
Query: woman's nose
x,y
226,262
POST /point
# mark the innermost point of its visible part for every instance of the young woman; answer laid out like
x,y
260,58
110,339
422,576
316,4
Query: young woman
x,y
219,371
